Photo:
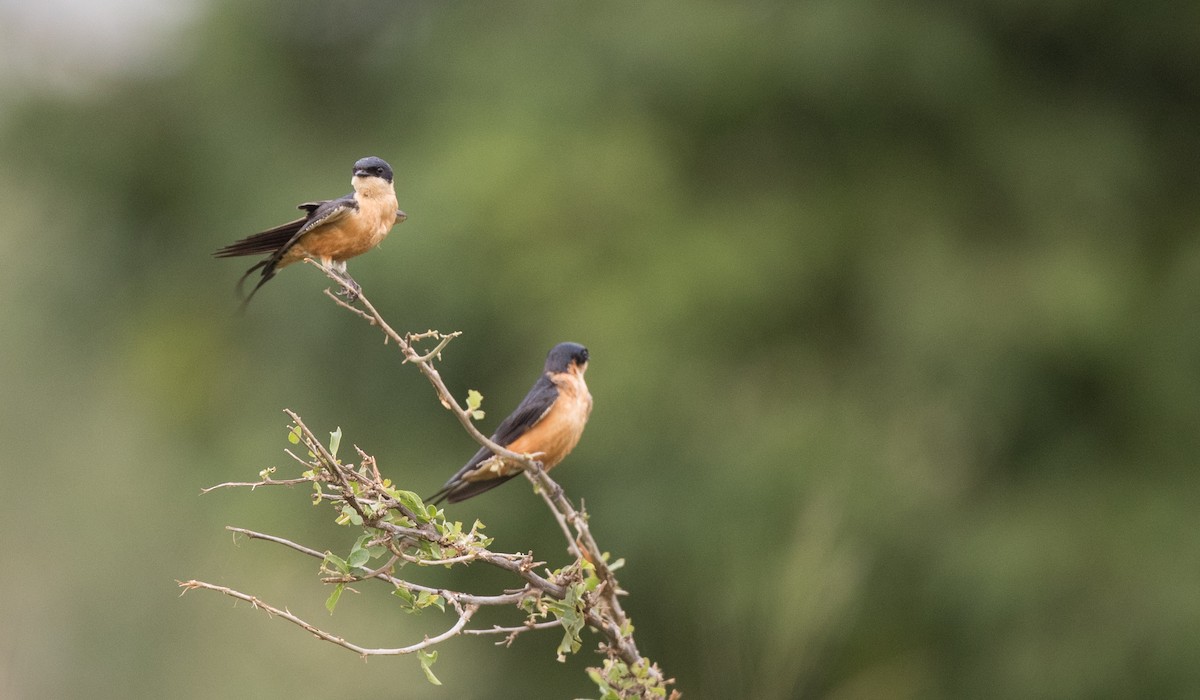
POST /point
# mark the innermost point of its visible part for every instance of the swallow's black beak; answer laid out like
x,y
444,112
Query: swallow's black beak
x,y
362,172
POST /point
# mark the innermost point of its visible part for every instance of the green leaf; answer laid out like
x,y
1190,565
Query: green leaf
x,y
426,598
336,561
607,692
570,611
474,401
570,642
590,580
358,557
427,658
410,500
405,595
335,440
349,515
429,550
331,602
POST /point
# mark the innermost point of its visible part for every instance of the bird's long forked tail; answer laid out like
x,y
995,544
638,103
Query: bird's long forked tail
x,y
268,271
457,490
271,242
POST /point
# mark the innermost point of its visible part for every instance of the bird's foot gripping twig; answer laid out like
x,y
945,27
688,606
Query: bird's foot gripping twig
x,y
350,289
336,271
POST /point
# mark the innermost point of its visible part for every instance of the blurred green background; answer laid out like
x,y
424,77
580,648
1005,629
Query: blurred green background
x,y
894,311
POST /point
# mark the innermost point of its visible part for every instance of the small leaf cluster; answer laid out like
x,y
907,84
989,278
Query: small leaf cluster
x,y
361,498
474,401
579,580
397,528
618,681
396,523
342,570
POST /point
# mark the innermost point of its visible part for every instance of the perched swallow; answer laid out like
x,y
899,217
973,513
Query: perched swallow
x,y
333,231
547,425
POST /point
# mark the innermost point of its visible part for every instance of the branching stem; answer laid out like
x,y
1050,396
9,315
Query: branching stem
x,y
391,519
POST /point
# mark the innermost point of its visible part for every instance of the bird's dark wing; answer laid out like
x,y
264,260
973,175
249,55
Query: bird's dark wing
x,y
527,414
325,213
536,404
278,240
267,241
457,490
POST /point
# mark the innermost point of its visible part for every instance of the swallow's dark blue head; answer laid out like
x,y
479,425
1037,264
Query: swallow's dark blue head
x,y
373,167
563,355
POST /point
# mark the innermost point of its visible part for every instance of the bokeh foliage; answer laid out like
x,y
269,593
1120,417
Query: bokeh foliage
x,y
893,311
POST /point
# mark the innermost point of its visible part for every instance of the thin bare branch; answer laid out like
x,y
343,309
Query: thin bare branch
x,y
464,616
464,559
364,491
369,312
582,544
511,633
255,484
466,598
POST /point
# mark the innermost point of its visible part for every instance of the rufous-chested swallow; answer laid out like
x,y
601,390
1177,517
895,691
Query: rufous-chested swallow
x,y
332,231
546,425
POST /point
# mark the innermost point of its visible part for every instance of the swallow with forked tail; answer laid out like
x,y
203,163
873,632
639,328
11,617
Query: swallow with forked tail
x,y
332,231
546,425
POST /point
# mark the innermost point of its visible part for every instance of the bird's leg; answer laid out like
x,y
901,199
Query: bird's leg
x,y
540,468
350,288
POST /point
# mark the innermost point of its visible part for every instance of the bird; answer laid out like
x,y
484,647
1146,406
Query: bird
x,y
332,231
546,425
